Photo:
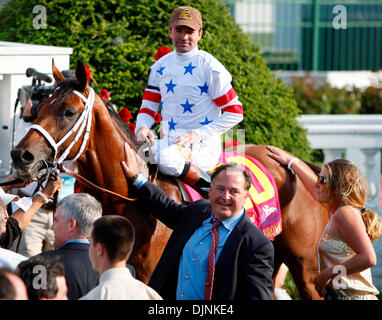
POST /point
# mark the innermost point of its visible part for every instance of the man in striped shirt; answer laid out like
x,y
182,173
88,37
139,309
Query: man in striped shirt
x,y
198,104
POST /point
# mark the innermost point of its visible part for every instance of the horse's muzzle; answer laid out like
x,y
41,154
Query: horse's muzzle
x,y
24,162
22,158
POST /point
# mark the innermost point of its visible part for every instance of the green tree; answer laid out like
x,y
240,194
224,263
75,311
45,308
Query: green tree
x,y
118,39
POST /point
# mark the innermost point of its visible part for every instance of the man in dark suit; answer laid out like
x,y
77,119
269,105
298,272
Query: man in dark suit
x,y
72,226
214,252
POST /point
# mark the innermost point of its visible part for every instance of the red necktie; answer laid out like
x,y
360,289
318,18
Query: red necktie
x,y
211,261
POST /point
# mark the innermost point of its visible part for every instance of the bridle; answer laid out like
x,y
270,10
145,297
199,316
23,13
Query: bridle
x,y
84,121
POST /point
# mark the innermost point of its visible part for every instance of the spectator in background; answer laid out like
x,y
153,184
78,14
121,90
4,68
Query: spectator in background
x,y
38,235
44,278
346,242
111,243
73,223
11,227
8,258
11,286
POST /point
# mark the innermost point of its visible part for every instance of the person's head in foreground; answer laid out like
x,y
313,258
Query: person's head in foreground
x,y
44,277
11,286
111,242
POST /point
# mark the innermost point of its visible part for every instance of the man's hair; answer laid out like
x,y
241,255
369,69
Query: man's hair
x,y
235,167
84,209
7,290
39,274
117,235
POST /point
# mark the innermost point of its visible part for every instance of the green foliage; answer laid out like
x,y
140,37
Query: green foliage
x,y
91,27
325,99
290,287
371,102
330,100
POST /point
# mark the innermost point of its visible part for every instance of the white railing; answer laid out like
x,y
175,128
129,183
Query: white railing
x,y
357,138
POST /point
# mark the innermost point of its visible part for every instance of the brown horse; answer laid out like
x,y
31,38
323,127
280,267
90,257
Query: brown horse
x,y
99,161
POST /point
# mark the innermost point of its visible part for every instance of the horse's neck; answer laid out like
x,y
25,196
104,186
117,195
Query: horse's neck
x,y
101,162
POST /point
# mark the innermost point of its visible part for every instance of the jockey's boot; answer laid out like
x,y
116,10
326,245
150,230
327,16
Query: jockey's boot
x,y
197,178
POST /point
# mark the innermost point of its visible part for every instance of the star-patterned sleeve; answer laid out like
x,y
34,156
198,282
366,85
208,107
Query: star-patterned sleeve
x,y
225,98
150,102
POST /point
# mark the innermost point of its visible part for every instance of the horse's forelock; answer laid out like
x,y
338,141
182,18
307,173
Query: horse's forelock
x,y
67,85
64,90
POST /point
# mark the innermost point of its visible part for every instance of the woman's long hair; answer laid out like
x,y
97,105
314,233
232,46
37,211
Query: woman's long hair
x,y
348,187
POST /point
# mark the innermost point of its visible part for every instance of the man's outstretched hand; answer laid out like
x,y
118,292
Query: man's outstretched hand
x,y
129,166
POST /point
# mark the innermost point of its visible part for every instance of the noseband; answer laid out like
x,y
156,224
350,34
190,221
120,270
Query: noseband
x,y
85,120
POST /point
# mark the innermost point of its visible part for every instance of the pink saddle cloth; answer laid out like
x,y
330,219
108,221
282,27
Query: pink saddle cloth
x,y
262,204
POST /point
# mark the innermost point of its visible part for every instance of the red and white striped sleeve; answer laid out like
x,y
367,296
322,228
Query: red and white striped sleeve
x,y
150,103
225,98
229,102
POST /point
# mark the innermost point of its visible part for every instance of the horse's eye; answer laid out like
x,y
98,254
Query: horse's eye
x,y
69,113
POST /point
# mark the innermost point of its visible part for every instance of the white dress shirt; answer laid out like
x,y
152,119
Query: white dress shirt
x,y
119,284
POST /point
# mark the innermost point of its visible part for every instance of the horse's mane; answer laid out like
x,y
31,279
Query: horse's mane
x,y
120,123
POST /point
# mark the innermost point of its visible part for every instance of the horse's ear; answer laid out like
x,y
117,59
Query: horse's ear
x,y
81,75
57,75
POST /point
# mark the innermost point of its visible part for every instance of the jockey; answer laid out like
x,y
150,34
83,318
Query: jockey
x,y
198,104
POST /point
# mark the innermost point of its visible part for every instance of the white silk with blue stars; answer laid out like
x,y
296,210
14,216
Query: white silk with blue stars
x,y
194,93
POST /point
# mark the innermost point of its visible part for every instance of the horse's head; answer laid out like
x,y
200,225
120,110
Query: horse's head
x,y
58,132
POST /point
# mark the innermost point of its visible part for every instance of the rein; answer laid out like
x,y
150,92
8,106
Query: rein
x,y
91,185
85,120
11,182
50,168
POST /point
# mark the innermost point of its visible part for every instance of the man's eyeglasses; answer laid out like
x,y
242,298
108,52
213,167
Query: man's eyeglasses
x,y
321,179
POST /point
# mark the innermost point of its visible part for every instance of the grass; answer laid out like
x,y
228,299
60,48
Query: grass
x,y
290,287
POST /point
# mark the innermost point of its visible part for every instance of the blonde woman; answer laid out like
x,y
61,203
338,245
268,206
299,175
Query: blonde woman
x,y
345,251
